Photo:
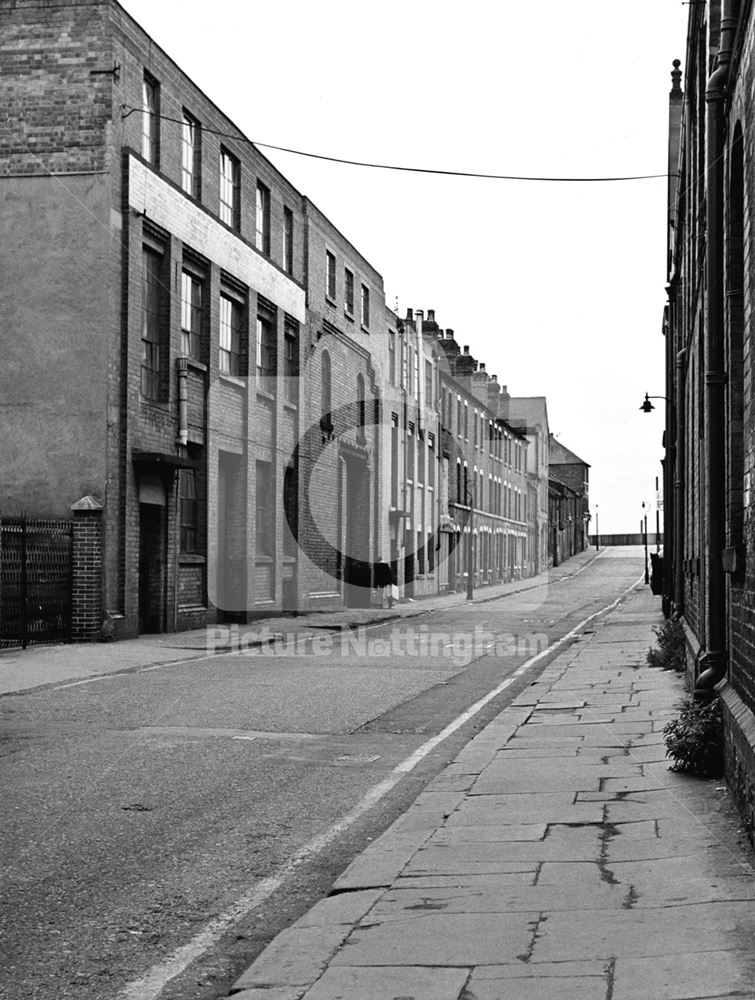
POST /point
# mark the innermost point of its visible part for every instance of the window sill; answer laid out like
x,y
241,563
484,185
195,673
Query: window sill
x,y
349,316
364,329
289,405
191,559
270,396
237,380
198,366
331,302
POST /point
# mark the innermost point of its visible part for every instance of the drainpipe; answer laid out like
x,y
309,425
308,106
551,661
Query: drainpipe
x,y
713,659
679,459
182,369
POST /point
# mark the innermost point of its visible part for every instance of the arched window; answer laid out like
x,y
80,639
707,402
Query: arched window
x,y
326,399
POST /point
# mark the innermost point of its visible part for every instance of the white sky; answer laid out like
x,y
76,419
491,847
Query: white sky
x,y
557,288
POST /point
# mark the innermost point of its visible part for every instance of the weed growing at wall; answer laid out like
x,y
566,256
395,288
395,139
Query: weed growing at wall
x,y
694,741
670,653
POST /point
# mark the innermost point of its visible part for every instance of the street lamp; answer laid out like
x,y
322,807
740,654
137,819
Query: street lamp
x,y
647,406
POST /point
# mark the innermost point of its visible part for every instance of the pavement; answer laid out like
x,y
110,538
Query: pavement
x,y
50,665
556,857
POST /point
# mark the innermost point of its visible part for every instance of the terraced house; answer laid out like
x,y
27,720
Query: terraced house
x,y
709,557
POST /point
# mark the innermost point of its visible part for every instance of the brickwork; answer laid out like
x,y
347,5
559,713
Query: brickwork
x,y
693,326
86,561
71,78
56,106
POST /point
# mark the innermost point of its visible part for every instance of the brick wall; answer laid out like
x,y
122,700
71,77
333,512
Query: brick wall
x,y
56,110
86,562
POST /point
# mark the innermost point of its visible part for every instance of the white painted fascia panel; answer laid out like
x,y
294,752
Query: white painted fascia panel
x,y
173,211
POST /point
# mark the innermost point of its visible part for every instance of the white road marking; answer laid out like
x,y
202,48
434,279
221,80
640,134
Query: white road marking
x,y
149,986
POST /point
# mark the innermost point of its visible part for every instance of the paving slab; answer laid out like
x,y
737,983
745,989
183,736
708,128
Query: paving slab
x,y
442,940
689,975
533,984
385,983
407,899
641,934
530,807
637,849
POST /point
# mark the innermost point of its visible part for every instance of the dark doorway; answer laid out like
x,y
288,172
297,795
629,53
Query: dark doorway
x,y
409,563
151,568
231,565
357,573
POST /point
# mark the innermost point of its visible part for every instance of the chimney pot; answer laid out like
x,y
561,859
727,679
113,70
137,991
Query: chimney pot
x,y
466,348
449,334
409,315
482,367
430,315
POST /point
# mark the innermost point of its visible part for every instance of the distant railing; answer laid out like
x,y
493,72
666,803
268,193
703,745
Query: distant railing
x,y
635,539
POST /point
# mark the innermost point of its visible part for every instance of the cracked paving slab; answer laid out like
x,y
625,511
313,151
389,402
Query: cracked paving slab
x,y
439,939
408,901
539,981
635,934
386,983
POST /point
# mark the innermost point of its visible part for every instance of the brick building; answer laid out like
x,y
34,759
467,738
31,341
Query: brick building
x,y
155,261
488,503
202,369
529,414
570,471
338,496
407,361
709,553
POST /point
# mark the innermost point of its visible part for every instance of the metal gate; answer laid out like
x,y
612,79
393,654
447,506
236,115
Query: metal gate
x,y
35,581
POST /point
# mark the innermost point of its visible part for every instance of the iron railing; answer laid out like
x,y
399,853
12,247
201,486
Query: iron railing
x,y
36,570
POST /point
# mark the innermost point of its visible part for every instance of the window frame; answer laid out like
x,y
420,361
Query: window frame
x,y
233,351
262,218
191,155
151,119
330,276
348,293
188,520
291,359
266,340
154,334
230,211
365,307
191,332
288,240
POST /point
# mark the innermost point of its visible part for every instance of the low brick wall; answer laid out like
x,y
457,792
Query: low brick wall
x,y
739,751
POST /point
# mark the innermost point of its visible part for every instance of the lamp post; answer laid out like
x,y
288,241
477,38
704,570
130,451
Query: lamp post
x,y
597,529
644,534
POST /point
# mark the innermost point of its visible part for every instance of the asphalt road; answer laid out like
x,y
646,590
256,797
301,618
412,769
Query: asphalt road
x,y
140,807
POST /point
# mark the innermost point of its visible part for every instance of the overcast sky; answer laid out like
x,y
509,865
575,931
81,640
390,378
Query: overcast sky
x,y
558,288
